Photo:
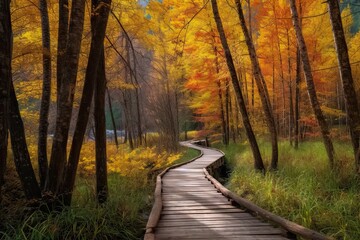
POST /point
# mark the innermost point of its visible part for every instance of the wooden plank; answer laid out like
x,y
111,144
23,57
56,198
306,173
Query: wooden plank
x,y
184,178
196,222
223,231
189,184
200,207
189,189
214,196
217,237
213,227
210,194
209,216
177,179
202,211
190,198
195,195
193,203
176,170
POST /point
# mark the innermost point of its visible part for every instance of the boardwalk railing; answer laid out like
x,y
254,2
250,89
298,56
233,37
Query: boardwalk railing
x,y
291,228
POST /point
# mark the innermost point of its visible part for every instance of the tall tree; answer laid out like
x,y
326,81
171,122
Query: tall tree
x,y
46,92
5,82
10,113
112,117
220,94
291,104
297,99
100,132
261,84
281,71
20,150
63,35
352,107
311,86
66,98
297,89
258,162
100,125
99,19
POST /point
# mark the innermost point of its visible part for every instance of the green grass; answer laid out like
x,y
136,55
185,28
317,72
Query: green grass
x,y
303,190
188,154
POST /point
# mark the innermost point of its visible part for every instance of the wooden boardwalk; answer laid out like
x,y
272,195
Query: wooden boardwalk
x,y
193,209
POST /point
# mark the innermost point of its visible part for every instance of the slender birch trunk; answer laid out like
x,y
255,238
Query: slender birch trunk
x,y
311,85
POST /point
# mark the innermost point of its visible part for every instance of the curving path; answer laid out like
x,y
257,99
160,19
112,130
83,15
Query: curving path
x,y
193,209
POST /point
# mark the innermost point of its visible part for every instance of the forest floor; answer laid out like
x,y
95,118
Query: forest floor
x,y
304,189
124,216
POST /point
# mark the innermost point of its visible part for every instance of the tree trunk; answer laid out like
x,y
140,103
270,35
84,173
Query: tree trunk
x,y
100,132
138,115
311,86
5,82
258,163
297,99
281,73
99,18
128,103
252,78
128,134
222,112
20,151
246,89
233,132
132,77
62,42
177,117
227,99
68,81
112,118
291,104
46,93
263,91
171,131
352,107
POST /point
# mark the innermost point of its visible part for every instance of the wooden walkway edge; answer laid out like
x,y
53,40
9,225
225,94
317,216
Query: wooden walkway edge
x,y
191,204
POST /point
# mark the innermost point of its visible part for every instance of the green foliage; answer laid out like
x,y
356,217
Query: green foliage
x,y
303,190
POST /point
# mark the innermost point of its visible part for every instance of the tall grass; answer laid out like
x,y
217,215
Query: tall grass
x,y
122,217
304,189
